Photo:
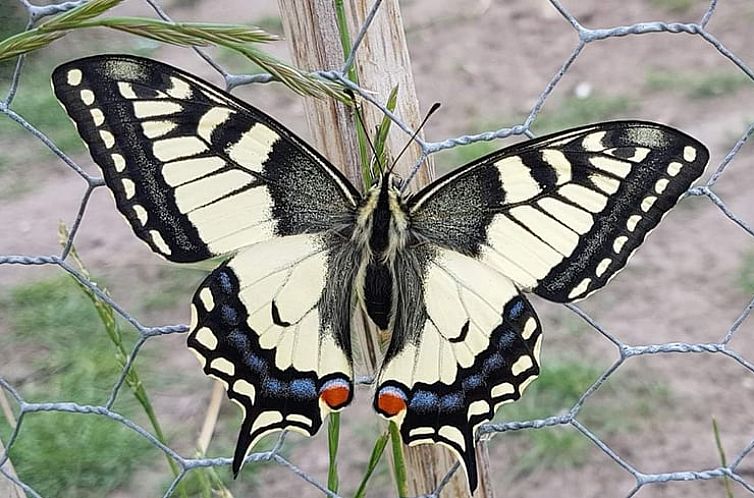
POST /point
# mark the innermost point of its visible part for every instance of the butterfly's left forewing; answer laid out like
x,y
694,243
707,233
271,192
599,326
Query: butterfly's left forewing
x,y
562,214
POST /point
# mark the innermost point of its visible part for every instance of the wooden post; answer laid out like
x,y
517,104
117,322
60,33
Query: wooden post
x,y
7,487
382,62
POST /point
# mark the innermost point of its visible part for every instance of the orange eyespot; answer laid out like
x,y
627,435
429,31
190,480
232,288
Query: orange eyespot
x,y
390,402
336,394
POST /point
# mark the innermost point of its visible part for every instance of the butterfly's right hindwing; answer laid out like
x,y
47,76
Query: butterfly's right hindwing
x,y
197,172
273,325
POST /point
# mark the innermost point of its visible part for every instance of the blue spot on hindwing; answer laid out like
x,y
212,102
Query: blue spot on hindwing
x,y
239,340
507,337
229,315
226,285
492,363
423,401
472,382
303,389
516,309
451,402
274,386
255,363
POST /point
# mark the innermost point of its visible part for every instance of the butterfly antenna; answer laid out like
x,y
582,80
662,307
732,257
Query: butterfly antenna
x,y
360,118
431,111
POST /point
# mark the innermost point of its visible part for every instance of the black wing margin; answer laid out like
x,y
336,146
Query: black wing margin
x,y
561,215
195,171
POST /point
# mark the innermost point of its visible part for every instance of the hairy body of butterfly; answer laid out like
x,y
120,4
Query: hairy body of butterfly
x,y
198,173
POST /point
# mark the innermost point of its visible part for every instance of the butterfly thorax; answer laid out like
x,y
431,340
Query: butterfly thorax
x,y
381,233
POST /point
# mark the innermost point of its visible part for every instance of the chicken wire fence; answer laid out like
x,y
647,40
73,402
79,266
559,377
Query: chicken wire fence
x,y
583,36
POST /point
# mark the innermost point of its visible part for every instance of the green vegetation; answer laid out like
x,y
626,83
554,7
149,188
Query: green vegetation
x,y
723,458
66,454
72,359
574,111
559,386
675,6
745,273
697,85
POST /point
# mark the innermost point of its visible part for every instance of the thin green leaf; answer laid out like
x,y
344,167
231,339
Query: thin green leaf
x,y
83,12
361,133
374,459
401,479
383,129
333,436
723,459
234,37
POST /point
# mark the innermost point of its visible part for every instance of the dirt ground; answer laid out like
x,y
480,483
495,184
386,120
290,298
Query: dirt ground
x,y
487,66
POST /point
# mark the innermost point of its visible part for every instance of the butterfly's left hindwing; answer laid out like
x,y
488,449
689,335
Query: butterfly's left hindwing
x,y
464,342
273,325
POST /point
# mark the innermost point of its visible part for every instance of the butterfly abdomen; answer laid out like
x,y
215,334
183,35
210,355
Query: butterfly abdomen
x,y
378,290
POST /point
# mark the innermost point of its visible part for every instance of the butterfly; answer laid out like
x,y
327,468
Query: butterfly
x,y
198,173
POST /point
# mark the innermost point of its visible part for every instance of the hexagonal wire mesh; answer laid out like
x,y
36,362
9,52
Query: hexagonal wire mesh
x,y
626,351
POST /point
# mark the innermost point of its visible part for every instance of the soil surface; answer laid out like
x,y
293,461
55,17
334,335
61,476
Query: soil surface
x,y
487,65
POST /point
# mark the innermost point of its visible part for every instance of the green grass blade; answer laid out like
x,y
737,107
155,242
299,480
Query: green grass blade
x,y
333,436
353,75
374,459
383,129
401,475
723,459
234,37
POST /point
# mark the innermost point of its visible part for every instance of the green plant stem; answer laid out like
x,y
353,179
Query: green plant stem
x,y
384,128
401,479
361,135
723,459
132,380
233,37
374,459
333,435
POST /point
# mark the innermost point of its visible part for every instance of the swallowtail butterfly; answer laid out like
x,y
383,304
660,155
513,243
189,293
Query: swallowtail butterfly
x,y
198,174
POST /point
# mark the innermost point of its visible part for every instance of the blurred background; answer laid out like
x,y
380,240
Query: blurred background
x,y
487,63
